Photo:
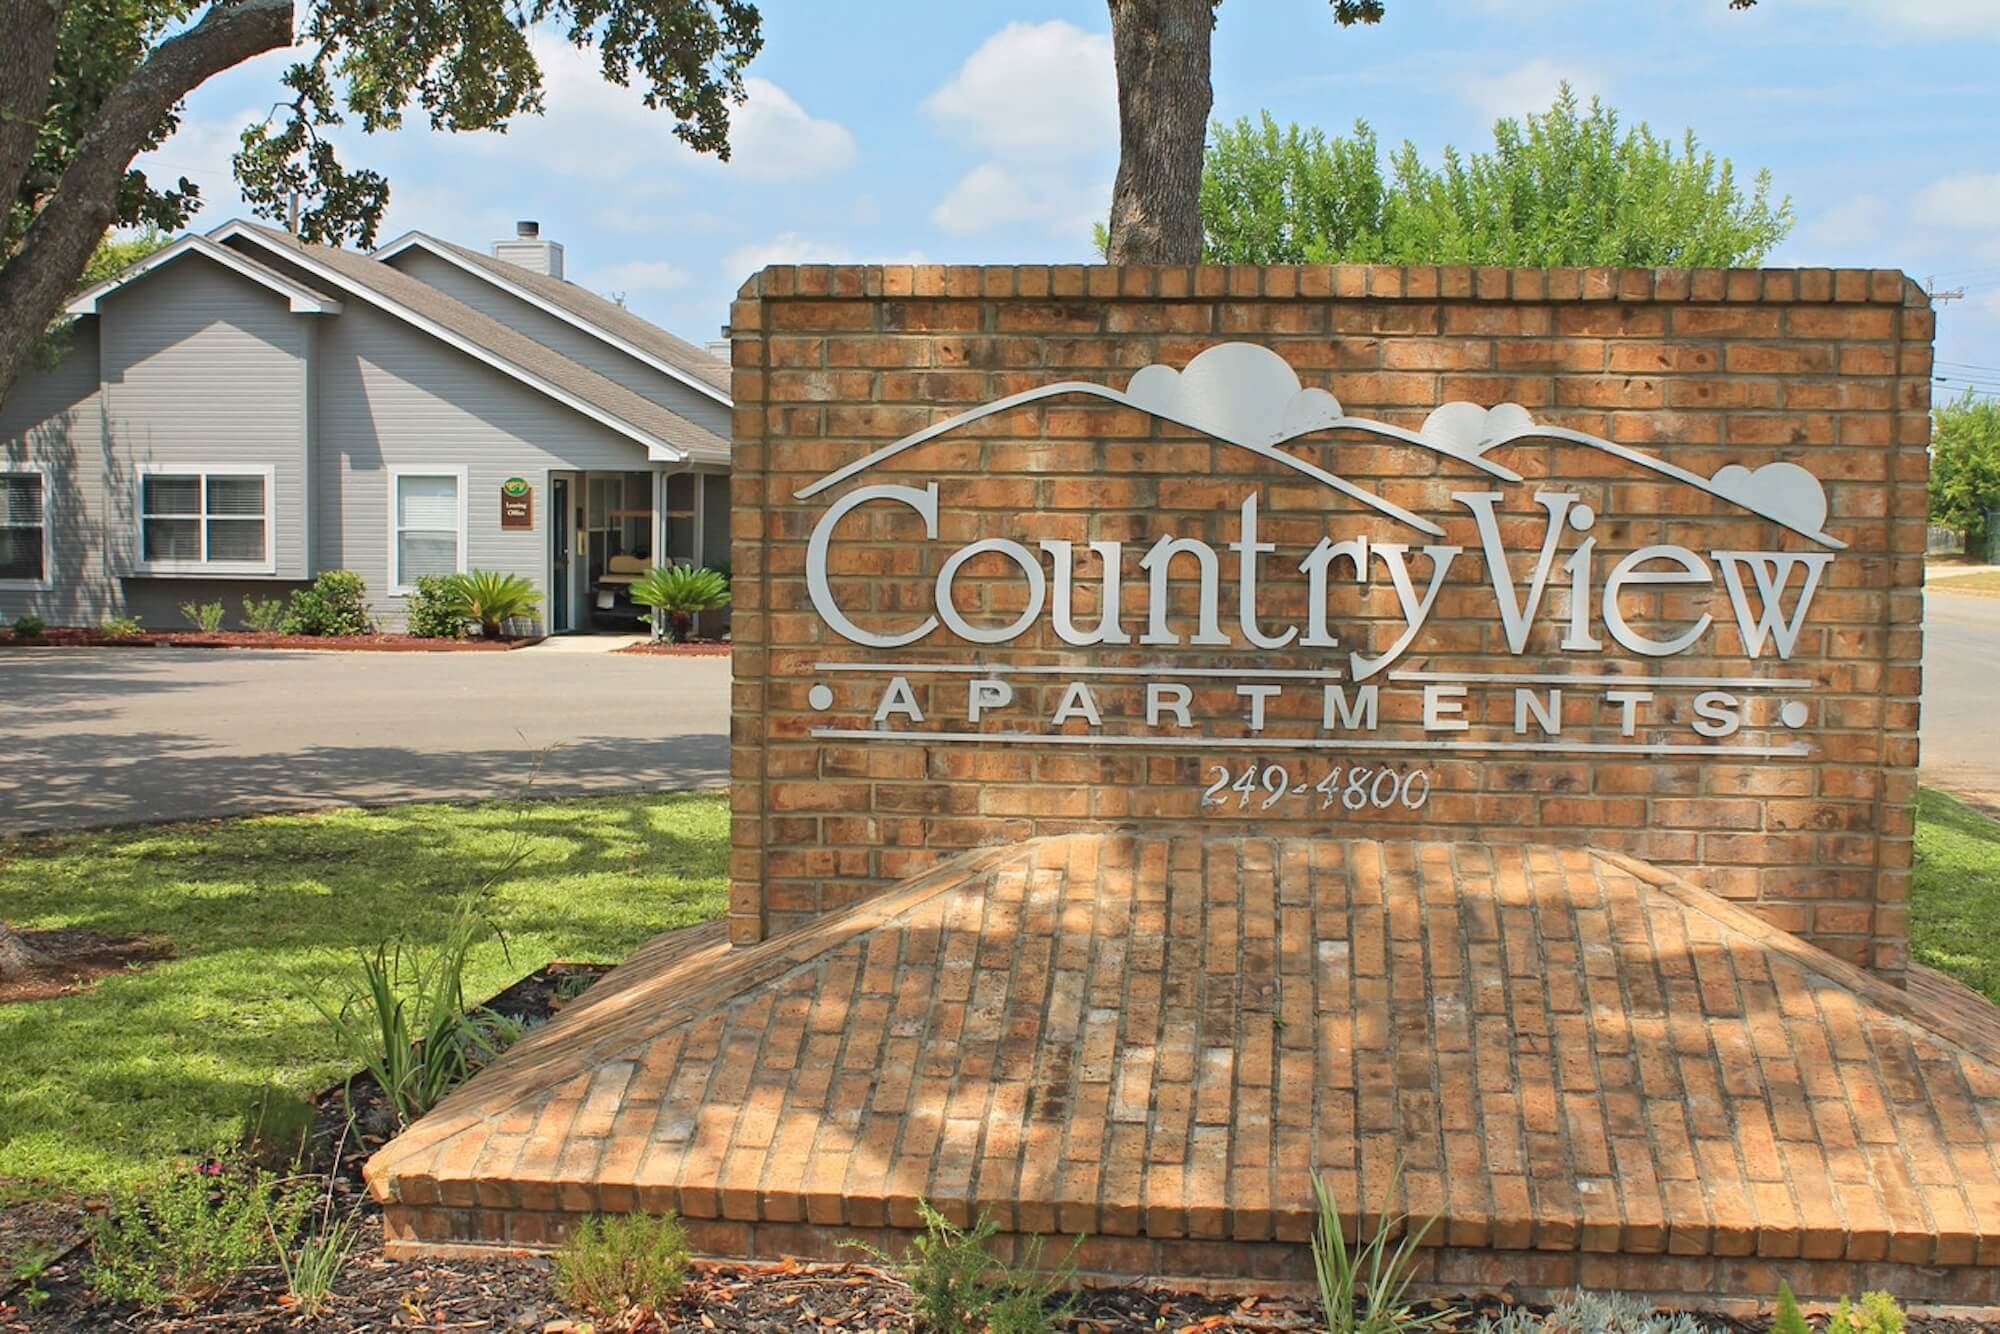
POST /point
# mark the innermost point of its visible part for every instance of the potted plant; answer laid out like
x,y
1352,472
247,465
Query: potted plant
x,y
676,593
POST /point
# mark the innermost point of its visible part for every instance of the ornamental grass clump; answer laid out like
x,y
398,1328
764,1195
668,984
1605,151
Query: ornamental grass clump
x,y
1365,1289
405,1018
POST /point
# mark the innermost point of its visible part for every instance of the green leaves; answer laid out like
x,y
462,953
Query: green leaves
x,y
1562,187
680,591
1965,466
491,598
468,65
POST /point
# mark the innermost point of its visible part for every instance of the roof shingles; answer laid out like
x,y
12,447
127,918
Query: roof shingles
x,y
535,359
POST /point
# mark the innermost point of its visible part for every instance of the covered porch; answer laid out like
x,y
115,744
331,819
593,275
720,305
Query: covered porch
x,y
606,529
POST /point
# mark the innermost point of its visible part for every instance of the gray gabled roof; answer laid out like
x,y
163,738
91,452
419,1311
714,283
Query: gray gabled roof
x,y
608,315
401,294
304,298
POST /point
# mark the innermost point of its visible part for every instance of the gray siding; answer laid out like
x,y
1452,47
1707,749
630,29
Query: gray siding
x,y
51,419
389,396
204,366
157,602
580,347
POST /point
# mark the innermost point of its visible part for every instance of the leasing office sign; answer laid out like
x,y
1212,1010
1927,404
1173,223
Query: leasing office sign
x,y
1619,573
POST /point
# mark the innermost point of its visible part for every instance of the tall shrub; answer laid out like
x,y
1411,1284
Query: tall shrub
x,y
1565,186
1965,466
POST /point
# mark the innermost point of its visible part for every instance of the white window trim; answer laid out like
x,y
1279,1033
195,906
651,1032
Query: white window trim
x,y
397,589
44,583
268,565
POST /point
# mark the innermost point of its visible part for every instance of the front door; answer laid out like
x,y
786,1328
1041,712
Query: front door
x,y
559,586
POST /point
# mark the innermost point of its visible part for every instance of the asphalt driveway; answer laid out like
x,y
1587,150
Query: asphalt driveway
x,y
1961,711
117,736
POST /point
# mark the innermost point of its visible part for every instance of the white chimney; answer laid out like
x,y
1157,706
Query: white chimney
x,y
718,348
529,251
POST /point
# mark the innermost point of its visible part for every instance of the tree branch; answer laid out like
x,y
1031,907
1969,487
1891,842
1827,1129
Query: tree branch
x,y
58,243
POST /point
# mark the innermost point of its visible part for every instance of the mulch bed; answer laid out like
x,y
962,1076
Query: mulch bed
x,y
512,1293
78,958
697,648
66,637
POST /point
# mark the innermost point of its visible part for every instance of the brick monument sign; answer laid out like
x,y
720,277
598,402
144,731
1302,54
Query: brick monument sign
x,y
1445,733
1626,559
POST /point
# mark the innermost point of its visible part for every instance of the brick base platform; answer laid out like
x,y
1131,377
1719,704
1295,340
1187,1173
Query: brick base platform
x,y
1593,1072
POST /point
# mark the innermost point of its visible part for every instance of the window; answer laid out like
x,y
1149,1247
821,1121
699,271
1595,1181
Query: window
x,y
23,529
426,526
201,519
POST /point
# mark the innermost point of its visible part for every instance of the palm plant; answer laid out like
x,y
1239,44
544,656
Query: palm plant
x,y
492,599
676,593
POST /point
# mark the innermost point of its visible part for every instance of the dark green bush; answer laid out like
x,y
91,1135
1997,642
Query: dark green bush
x,y
435,610
29,626
336,604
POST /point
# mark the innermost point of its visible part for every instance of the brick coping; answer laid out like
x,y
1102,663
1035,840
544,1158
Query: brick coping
x,y
1286,282
1586,1065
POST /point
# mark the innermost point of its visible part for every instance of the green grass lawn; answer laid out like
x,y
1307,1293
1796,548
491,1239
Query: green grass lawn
x,y
266,913
1955,894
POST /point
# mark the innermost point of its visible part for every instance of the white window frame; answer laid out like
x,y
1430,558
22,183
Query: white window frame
x,y
268,565
45,582
396,587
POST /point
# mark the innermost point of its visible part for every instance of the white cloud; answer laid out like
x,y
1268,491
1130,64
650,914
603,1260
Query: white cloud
x,y
598,130
637,275
1034,90
1850,225
1970,200
1529,87
1928,18
772,138
992,196
794,248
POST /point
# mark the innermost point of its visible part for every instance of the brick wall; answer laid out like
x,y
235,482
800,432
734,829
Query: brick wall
x,y
1701,370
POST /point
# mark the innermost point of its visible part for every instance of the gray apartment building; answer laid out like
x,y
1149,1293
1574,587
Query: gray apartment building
x,y
241,411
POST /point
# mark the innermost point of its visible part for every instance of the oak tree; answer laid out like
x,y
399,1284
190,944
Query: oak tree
x,y
1160,49
86,86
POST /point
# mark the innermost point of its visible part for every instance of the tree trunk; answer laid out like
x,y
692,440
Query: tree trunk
x,y
17,958
27,59
1161,50
36,279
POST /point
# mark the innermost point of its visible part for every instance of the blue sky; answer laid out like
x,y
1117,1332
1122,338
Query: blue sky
x,y
965,132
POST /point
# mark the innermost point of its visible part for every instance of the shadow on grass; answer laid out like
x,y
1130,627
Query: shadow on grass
x,y
267,914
